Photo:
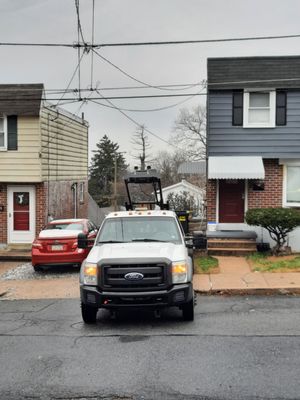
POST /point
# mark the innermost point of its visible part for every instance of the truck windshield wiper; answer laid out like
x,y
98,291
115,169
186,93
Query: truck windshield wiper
x,y
111,241
147,240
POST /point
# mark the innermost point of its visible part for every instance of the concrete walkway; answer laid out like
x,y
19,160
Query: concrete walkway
x,y
236,277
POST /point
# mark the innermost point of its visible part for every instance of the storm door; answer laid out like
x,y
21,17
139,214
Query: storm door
x,y
21,214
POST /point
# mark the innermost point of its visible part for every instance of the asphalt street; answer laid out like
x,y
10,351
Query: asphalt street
x,y
237,348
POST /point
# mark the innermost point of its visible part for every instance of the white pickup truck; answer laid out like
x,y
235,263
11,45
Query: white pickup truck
x,y
139,259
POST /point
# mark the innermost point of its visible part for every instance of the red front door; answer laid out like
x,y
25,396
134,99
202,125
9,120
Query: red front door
x,y
231,200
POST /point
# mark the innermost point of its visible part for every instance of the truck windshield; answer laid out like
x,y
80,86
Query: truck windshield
x,y
140,229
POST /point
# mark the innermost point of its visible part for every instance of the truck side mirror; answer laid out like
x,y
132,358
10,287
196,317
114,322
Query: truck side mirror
x,y
82,241
189,242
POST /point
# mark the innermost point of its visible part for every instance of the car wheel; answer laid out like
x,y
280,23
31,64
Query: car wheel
x,y
88,314
37,268
188,311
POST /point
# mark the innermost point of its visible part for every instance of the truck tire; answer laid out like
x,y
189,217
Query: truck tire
x,y
37,268
188,311
88,314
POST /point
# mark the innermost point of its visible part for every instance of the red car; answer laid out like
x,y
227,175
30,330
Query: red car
x,y
57,243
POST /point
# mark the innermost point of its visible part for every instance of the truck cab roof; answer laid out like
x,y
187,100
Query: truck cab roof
x,y
142,213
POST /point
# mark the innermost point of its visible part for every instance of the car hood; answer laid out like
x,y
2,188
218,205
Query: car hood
x,y
59,233
117,251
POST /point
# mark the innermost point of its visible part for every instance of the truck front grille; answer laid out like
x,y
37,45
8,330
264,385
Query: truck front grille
x,y
154,277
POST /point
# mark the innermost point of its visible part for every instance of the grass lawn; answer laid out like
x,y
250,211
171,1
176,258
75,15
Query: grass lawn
x,y
266,263
206,265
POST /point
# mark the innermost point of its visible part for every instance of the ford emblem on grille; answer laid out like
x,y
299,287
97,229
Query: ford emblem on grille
x,y
134,276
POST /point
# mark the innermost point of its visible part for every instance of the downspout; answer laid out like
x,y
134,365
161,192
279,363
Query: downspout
x,y
206,154
74,189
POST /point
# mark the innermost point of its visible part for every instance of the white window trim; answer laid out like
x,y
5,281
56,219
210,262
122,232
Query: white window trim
x,y
4,148
284,191
271,124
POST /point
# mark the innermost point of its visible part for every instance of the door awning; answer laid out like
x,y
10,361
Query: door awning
x,y
236,167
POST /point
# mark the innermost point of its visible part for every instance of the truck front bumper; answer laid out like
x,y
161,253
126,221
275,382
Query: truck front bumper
x,y
177,295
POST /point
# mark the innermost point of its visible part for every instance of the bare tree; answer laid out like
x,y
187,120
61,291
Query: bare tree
x,y
141,141
167,165
190,132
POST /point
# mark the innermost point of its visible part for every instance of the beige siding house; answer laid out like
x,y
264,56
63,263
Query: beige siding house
x,y
43,163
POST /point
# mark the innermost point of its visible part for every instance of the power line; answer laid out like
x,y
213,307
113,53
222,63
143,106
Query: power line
x,y
111,97
152,43
71,80
135,122
148,110
93,36
75,90
219,40
78,22
132,77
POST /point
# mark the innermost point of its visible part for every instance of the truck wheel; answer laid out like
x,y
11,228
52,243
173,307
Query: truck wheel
x,y
88,314
37,268
188,311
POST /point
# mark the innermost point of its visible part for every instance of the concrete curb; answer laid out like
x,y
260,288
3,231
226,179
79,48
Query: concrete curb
x,y
15,257
250,292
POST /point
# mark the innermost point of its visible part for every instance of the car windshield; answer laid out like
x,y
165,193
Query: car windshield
x,y
71,226
140,229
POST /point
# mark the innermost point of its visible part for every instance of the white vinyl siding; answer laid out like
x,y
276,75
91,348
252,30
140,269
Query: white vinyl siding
x,y
23,165
64,147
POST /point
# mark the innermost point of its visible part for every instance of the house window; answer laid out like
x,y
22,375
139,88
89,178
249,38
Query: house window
x,y
259,109
3,132
81,192
292,186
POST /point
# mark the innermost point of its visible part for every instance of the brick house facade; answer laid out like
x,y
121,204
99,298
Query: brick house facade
x,y
253,139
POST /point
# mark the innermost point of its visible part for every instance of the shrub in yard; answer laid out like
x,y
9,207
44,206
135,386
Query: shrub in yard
x,y
277,221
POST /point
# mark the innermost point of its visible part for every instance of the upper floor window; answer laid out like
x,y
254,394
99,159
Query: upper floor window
x,y
259,109
3,132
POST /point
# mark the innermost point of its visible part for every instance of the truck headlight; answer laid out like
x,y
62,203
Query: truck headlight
x,y
179,272
90,272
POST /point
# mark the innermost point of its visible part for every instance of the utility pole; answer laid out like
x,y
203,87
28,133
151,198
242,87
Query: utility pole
x,y
115,183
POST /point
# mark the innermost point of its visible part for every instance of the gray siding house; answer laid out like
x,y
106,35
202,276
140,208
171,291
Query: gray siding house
x,y
253,138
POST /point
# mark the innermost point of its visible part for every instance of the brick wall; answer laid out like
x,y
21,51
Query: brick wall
x,y
211,193
3,214
271,196
41,207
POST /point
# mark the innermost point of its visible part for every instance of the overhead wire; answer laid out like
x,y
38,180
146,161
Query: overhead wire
x,y
93,37
136,123
152,109
71,80
153,43
132,77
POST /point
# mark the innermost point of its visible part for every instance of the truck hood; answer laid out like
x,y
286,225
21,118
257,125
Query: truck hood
x,y
114,251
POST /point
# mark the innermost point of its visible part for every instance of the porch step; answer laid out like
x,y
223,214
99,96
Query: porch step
x,y
235,251
19,247
231,246
233,243
16,252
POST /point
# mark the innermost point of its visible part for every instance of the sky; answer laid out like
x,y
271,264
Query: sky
x,y
119,21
